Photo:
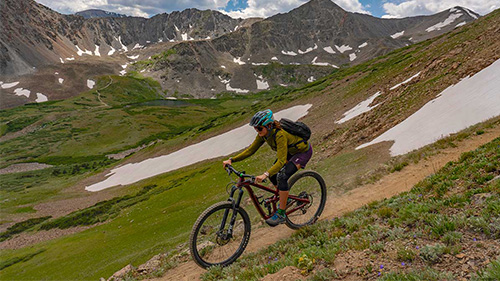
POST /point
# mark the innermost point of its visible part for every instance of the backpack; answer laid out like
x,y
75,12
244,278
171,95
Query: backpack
x,y
296,128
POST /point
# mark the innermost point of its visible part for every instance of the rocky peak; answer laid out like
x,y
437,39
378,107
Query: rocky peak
x,y
97,13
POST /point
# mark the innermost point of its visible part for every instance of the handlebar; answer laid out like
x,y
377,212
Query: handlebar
x,y
230,169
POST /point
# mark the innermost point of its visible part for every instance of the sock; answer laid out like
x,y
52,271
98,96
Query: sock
x,y
282,212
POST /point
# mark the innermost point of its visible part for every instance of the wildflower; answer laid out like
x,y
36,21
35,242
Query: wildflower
x,y
414,235
275,259
420,195
474,239
417,247
381,266
379,273
403,264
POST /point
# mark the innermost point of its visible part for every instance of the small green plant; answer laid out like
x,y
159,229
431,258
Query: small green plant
x,y
377,247
491,273
479,132
452,238
399,166
432,253
304,263
215,273
405,254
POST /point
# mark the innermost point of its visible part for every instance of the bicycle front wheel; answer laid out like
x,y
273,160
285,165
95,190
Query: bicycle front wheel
x,y
213,242
306,185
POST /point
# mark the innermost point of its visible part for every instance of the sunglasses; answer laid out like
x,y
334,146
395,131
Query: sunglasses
x,y
259,128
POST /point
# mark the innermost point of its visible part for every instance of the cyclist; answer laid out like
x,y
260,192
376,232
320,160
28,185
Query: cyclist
x,y
292,152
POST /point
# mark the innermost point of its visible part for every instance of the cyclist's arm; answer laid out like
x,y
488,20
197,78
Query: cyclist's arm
x,y
256,144
282,152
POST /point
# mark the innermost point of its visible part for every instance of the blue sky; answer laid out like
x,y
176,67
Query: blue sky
x,y
266,8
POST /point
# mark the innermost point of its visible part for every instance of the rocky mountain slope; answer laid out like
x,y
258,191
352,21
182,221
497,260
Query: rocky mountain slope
x,y
33,35
318,33
96,13
195,53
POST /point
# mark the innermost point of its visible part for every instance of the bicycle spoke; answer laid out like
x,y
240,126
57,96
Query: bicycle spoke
x,y
216,245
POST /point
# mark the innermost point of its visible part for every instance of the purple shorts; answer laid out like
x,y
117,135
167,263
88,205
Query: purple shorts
x,y
301,158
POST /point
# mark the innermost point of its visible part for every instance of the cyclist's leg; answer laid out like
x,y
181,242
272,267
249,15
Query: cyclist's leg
x,y
274,179
284,174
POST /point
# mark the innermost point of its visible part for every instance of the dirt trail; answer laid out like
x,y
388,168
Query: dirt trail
x,y
389,186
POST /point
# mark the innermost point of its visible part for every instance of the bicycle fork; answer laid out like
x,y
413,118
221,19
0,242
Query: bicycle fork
x,y
236,206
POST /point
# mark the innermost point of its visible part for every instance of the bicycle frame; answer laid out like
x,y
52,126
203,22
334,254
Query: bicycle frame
x,y
247,184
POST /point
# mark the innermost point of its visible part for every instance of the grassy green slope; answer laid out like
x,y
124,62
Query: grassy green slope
x,y
418,235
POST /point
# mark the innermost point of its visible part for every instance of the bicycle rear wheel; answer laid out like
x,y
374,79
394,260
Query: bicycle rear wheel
x,y
310,185
211,243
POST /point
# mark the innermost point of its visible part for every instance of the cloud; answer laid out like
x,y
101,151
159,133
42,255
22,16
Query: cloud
x,y
144,8
427,7
266,8
147,8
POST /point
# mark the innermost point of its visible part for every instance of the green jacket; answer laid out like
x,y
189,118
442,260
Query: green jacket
x,y
280,141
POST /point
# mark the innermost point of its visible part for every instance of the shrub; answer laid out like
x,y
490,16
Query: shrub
x,y
432,253
452,238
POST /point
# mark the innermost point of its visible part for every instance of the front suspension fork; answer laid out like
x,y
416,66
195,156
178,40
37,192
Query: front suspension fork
x,y
236,206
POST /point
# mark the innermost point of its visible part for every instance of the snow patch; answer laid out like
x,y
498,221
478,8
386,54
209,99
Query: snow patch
x,y
363,45
261,84
311,79
80,52
123,72
397,34
121,43
112,51
352,56
237,90
137,46
9,85
41,97
329,50
62,61
238,61
90,83
470,13
236,28
260,63
343,48
274,58
444,23
223,66
176,28
460,24
406,81
72,58
314,62
470,101
224,144
171,98
160,40
310,49
96,51
359,109
289,53
133,57
22,92
61,80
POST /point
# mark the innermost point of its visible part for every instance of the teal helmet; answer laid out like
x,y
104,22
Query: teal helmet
x,y
262,118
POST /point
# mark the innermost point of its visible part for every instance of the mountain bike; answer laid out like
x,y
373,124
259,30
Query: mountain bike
x,y
221,233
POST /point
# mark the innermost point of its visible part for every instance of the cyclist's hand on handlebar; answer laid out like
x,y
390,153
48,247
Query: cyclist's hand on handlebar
x,y
227,162
260,178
